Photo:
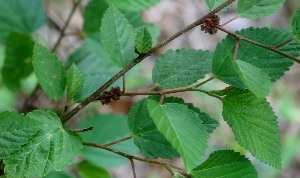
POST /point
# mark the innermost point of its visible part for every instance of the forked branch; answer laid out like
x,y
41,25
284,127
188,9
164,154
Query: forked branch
x,y
141,57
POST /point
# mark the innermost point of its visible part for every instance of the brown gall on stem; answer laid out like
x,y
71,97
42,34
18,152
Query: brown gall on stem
x,y
208,25
114,94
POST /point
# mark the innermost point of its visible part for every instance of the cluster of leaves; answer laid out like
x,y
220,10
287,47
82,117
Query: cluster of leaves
x,y
36,143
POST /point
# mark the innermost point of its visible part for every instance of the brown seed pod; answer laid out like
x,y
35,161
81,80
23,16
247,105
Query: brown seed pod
x,y
208,25
107,96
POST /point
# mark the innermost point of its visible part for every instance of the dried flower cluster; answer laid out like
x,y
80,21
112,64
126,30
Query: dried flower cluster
x,y
107,96
208,26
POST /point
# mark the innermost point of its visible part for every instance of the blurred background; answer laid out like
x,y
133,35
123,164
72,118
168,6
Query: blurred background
x,y
81,46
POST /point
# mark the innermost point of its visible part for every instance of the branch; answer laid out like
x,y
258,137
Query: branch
x,y
133,168
204,82
141,57
286,42
166,165
192,88
63,30
237,44
230,21
118,141
271,48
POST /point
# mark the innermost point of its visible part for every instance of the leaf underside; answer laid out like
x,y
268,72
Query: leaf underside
x,y
182,128
147,138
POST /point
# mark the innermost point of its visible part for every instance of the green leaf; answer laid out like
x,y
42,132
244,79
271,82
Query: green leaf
x,y
147,138
107,128
20,16
173,69
89,170
93,14
91,59
58,174
117,37
182,129
256,80
225,164
143,40
207,121
18,54
133,5
49,72
74,82
296,24
272,63
8,100
15,131
258,8
52,147
254,125
213,4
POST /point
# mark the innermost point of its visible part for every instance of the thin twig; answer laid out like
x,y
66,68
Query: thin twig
x,y
141,57
204,82
150,89
57,105
286,42
133,168
118,141
161,100
230,21
164,164
174,91
236,48
162,93
62,32
124,86
83,130
258,44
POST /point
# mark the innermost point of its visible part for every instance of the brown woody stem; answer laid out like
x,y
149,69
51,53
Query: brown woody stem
x,y
118,141
258,44
166,165
63,30
133,168
230,21
236,48
193,88
286,42
139,59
